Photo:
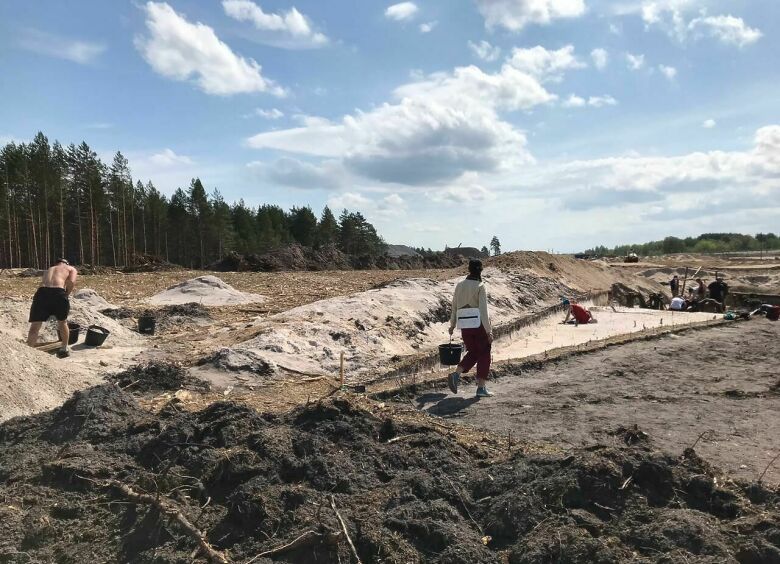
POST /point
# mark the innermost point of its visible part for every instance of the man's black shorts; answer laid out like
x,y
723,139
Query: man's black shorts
x,y
48,302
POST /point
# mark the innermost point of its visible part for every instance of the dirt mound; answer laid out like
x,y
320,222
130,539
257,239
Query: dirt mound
x,y
149,263
398,319
156,376
204,290
405,492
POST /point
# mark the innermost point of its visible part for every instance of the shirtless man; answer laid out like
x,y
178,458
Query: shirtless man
x,y
52,299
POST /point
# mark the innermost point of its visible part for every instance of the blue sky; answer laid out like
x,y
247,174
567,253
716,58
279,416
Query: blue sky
x,y
554,124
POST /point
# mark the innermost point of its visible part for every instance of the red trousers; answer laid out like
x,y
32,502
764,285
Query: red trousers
x,y
477,351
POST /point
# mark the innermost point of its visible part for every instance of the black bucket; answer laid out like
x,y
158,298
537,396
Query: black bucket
x,y
449,354
146,325
96,336
74,330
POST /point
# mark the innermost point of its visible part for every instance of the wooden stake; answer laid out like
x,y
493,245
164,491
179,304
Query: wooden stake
x,y
341,369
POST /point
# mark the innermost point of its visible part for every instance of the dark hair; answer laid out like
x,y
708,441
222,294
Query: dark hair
x,y
475,269
62,260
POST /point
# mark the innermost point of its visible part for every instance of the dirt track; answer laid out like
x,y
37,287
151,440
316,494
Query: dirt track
x,y
716,380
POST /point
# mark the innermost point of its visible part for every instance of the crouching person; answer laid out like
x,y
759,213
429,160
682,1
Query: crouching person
x,y
470,315
577,314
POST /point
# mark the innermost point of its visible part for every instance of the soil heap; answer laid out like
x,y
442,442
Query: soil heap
x,y
204,290
90,480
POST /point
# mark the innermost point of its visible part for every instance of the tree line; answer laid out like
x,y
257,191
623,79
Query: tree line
x,y
58,201
705,243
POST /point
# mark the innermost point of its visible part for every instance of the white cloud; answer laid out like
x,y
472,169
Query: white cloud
x,y
601,101
180,50
690,181
349,201
288,29
600,58
669,72
545,64
295,173
273,113
462,194
167,157
485,51
709,123
439,128
401,12
635,62
75,50
514,15
615,29
671,17
574,101
726,29
428,27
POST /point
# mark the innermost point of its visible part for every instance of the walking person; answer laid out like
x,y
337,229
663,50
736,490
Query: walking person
x,y
470,315
51,299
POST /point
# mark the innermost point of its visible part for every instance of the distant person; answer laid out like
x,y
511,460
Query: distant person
x,y
577,313
718,290
701,289
470,315
51,299
678,304
674,285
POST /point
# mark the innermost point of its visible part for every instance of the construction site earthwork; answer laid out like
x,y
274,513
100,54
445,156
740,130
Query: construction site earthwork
x,y
305,417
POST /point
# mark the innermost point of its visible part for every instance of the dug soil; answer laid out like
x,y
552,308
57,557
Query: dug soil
x,y
717,387
101,479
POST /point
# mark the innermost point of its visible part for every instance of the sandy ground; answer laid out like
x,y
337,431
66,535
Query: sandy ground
x,y
549,333
714,381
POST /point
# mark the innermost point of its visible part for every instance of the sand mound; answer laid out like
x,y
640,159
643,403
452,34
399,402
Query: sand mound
x,y
32,381
205,290
380,326
91,299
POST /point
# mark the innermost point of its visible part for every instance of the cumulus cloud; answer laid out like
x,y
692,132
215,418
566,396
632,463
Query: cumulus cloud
x,y
635,62
287,29
485,51
462,193
514,15
600,58
180,50
438,128
545,64
709,123
402,11
427,27
74,50
295,173
669,72
726,29
671,16
635,179
349,200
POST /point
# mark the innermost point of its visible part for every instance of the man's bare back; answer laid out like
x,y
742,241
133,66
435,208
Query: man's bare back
x,y
61,275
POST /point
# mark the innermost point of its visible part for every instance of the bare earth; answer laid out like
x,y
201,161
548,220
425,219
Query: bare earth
x,y
716,381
